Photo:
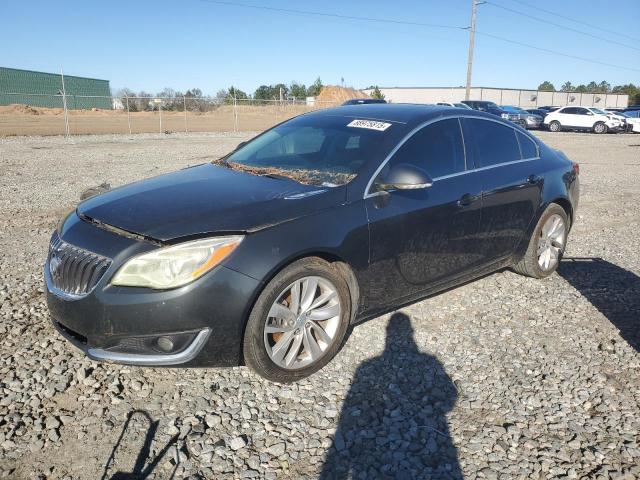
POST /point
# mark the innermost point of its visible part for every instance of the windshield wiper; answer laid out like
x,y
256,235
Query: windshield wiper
x,y
276,176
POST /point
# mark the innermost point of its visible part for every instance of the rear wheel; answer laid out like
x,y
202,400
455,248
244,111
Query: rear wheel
x,y
600,127
555,126
298,322
546,245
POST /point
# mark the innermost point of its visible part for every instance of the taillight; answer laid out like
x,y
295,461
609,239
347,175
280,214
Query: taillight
x,y
576,168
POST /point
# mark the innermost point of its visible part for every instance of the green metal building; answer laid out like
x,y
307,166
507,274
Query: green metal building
x,y
41,89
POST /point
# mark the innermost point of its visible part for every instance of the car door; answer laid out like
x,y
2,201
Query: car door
x,y
568,117
421,237
511,186
584,118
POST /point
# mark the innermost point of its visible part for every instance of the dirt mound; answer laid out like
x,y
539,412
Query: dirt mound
x,y
19,108
335,94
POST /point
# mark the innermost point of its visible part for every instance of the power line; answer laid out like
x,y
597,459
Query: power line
x,y
564,27
406,22
554,52
597,27
333,15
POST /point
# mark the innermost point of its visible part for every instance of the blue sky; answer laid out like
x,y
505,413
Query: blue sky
x,y
194,43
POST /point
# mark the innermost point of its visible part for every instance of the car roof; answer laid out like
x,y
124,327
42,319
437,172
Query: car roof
x,y
361,101
407,113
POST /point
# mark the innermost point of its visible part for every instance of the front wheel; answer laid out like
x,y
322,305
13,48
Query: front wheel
x,y
298,322
547,244
600,127
555,126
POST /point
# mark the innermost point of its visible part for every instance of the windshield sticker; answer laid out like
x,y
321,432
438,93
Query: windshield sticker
x,y
370,124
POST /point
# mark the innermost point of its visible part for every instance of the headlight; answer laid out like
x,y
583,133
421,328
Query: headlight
x,y
532,118
174,266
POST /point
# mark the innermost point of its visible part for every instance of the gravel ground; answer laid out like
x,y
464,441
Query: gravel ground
x,y
506,377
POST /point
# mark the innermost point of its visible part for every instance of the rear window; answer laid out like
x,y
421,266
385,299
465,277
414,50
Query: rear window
x,y
528,148
491,142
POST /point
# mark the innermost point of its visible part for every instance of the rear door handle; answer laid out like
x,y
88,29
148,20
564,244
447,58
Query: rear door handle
x,y
467,199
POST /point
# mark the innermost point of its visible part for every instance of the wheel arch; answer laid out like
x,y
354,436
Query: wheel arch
x,y
560,200
566,206
333,258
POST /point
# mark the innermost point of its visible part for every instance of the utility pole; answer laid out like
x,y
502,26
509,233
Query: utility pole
x,y
64,105
472,36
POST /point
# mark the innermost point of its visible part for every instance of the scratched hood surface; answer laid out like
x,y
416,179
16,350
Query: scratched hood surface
x,y
207,199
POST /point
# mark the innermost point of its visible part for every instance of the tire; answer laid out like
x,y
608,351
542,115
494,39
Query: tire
x,y
600,128
555,126
300,333
532,263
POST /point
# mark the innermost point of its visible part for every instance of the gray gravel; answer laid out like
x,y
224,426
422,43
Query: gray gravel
x,y
506,377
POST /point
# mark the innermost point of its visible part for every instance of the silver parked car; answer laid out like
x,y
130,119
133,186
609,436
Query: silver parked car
x,y
524,119
450,104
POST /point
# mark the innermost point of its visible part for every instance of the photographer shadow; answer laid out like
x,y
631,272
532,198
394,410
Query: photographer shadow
x,y
393,422
614,291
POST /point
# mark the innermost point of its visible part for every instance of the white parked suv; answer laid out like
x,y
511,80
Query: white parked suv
x,y
582,118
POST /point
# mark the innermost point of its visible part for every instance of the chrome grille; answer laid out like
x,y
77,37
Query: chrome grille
x,y
73,270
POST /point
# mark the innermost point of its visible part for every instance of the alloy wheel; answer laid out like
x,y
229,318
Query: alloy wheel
x,y
302,322
551,242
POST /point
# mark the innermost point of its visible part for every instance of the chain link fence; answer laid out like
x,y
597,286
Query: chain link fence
x,y
153,114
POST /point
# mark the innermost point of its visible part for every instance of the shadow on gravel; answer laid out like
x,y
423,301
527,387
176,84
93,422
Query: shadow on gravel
x,y
611,289
393,422
140,471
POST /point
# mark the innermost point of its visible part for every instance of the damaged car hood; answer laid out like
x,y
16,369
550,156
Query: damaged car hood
x,y
206,199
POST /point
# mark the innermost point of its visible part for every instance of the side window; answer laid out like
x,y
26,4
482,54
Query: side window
x,y
528,148
582,111
569,110
437,149
492,142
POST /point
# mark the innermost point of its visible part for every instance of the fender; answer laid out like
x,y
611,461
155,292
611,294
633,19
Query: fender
x,y
560,186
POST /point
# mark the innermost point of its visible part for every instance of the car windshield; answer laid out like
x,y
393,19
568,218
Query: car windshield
x,y
327,151
461,105
597,110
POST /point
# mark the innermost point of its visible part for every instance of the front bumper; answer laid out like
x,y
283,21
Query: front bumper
x,y
201,322
534,123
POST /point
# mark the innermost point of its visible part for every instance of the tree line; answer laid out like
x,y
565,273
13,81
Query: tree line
x,y
595,87
194,100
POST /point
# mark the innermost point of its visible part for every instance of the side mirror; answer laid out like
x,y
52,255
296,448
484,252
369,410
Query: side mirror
x,y
404,176
240,145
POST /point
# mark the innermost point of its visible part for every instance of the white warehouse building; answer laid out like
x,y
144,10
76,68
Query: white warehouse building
x,y
502,96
